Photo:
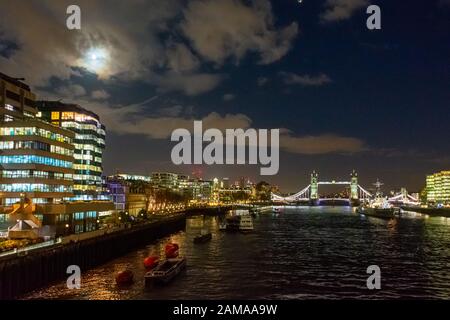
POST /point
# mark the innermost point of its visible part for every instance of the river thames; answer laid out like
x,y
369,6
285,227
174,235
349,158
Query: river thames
x,y
302,253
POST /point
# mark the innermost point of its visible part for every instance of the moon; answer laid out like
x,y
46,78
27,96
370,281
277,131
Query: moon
x,y
96,60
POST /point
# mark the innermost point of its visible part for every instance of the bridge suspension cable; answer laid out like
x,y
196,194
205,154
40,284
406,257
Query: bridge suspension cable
x,y
301,195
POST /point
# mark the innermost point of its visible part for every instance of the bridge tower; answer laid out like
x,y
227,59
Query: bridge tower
x,y
354,185
314,194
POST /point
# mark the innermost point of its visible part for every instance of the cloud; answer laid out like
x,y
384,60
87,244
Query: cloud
x,y
320,144
119,32
159,42
119,121
100,95
305,80
229,97
71,91
190,84
338,10
181,59
262,81
173,111
132,120
127,37
222,29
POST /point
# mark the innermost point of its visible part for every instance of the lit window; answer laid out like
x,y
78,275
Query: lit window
x,y
55,115
67,116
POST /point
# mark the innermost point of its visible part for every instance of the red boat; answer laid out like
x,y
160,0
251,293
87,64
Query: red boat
x,y
151,262
171,250
124,278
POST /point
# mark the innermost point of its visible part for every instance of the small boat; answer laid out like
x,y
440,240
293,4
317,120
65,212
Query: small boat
x,y
165,272
223,225
151,262
203,238
124,278
242,222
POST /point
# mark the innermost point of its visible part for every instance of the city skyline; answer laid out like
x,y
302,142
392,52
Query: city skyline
x,y
187,153
344,96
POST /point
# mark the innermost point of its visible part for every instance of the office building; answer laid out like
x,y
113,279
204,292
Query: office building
x,y
37,161
438,188
130,193
36,158
89,144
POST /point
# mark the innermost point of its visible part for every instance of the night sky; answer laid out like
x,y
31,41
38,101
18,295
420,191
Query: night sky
x,y
346,97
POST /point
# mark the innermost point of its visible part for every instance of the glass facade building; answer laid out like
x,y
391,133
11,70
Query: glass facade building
x,y
89,144
438,188
36,158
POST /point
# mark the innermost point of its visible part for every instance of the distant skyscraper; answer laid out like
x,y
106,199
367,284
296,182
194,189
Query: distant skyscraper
x,y
89,144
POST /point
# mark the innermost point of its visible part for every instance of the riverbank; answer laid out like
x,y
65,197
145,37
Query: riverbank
x,y
31,270
433,212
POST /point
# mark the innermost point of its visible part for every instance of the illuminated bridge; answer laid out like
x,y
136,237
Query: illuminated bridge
x,y
357,193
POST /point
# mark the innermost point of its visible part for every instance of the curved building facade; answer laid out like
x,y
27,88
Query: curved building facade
x,y
89,143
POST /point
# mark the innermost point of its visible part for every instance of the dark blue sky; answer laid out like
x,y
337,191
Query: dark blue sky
x,y
387,88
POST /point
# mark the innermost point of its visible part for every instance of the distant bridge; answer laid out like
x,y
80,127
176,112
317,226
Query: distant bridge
x,y
357,192
403,198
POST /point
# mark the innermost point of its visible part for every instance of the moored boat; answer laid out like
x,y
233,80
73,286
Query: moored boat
x,y
383,213
246,223
203,238
165,272
240,221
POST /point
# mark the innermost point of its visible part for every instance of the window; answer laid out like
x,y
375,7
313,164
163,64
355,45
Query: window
x,y
78,216
6,145
67,116
12,95
27,159
79,228
33,187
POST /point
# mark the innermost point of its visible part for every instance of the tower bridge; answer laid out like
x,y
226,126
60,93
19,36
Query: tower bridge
x,y
357,193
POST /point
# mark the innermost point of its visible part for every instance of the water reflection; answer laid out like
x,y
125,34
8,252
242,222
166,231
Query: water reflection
x,y
301,253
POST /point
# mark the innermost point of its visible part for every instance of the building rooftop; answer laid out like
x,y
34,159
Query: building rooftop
x,y
61,106
15,81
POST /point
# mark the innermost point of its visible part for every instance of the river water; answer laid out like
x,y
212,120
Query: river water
x,y
302,253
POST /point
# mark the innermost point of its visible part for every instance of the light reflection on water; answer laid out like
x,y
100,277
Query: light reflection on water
x,y
303,253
